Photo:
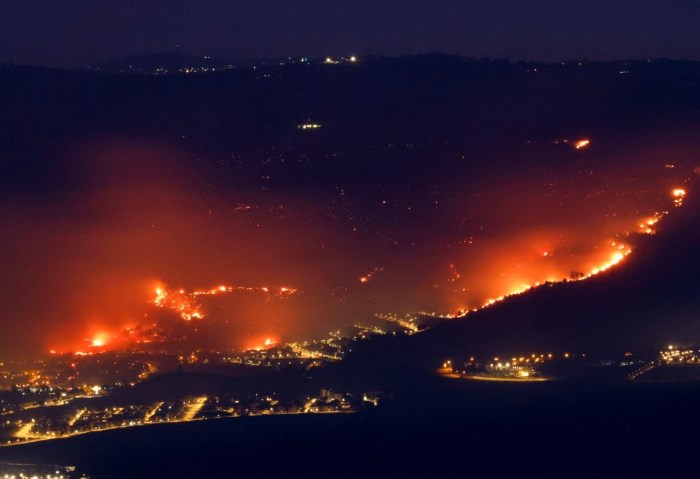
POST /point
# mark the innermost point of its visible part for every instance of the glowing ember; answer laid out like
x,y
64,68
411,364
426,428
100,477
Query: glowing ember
x,y
679,195
367,277
581,144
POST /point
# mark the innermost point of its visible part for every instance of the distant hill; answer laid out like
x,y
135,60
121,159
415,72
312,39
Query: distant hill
x,y
398,100
444,116
165,62
177,62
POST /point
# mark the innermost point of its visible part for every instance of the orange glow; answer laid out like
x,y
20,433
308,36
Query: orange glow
x,y
526,240
609,256
187,304
261,344
367,277
617,253
647,226
679,195
581,144
99,340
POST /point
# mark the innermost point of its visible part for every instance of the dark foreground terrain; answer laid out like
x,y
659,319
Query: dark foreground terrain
x,y
458,428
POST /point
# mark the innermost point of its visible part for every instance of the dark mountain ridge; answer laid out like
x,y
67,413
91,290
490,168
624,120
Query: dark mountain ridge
x,y
648,301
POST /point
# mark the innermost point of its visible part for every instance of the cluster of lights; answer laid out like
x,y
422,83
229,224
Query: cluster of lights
x,y
89,419
522,367
534,358
678,355
21,475
407,322
309,126
333,61
302,350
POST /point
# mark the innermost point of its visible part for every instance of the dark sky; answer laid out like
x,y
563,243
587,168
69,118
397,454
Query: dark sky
x,y
76,32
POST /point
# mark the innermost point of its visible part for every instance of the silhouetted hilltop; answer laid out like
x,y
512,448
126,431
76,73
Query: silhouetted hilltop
x,y
413,99
442,103
646,302
161,63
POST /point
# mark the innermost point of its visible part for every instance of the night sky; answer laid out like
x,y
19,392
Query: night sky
x,y
75,33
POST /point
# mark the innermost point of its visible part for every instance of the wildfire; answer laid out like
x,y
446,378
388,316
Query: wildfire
x,y
180,301
189,308
98,340
367,277
581,144
621,251
616,257
261,345
647,227
678,195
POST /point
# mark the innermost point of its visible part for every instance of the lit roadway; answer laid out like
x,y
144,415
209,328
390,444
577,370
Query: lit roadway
x,y
25,430
445,373
193,408
150,413
506,379
643,370
75,418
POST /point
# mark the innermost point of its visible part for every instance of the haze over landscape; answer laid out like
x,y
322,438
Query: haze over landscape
x,y
403,237
358,228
